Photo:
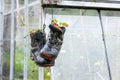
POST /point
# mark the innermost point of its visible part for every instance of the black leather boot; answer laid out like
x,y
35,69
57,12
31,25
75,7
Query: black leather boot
x,y
54,42
38,40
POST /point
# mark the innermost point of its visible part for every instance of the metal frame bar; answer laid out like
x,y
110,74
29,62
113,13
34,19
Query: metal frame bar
x,y
41,19
1,36
12,41
104,43
26,41
22,8
83,5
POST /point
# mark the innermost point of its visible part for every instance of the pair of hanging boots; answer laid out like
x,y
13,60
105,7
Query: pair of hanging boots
x,y
44,52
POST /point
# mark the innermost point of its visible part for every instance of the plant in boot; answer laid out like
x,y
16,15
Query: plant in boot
x,y
56,25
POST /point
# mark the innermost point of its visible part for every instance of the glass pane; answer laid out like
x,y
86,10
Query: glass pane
x,y
34,13
20,47
82,56
19,57
6,47
6,61
7,5
112,36
21,3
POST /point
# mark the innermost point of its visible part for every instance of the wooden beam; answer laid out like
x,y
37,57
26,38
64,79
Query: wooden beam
x,y
83,5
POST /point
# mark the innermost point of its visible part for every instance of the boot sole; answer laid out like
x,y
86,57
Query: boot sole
x,y
49,64
45,65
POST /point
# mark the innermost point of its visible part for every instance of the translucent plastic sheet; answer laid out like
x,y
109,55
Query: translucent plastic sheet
x,y
82,56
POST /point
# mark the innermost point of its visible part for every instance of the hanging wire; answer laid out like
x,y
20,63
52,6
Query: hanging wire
x,y
52,11
44,25
104,42
44,14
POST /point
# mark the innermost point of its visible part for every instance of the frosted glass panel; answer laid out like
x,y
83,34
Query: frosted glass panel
x,y
82,56
112,33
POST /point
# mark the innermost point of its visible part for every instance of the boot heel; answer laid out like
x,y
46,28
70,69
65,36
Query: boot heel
x,y
46,56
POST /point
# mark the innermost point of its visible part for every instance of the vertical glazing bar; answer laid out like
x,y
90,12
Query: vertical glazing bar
x,y
1,35
17,4
104,42
26,41
41,70
41,73
12,43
